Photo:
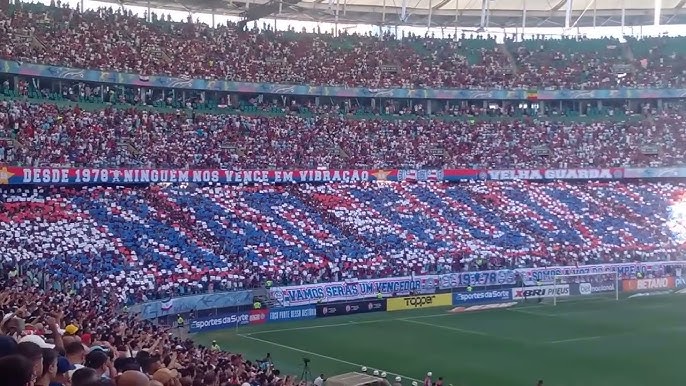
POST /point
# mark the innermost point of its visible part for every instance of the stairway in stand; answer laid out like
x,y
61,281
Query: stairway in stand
x,y
510,58
262,295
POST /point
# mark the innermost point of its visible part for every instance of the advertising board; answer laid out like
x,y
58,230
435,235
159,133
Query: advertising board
x,y
545,291
232,320
292,313
420,301
350,308
258,316
460,298
652,284
586,289
219,322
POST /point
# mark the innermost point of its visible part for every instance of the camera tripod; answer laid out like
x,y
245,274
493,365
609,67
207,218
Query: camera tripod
x,y
306,373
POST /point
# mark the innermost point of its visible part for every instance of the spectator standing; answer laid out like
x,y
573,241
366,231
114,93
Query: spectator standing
x,y
16,370
50,357
33,352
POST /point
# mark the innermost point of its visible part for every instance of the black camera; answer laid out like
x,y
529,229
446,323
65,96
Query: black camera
x,y
306,360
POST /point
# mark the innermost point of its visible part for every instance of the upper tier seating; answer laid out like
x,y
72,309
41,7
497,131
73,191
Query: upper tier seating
x,y
109,40
44,134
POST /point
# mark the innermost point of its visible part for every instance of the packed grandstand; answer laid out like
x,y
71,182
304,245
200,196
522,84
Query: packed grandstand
x,y
117,192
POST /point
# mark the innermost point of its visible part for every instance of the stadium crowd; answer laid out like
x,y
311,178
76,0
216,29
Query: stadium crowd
x,y
73,256
45,134
113,40
65,337
154,241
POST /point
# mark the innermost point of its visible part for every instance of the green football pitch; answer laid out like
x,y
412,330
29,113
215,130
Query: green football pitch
x,y
594,342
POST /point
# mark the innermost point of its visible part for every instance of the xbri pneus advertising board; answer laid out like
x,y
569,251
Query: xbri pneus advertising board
x,y
545,291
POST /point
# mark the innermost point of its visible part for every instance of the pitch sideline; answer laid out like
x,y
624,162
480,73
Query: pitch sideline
x,y
349,323
321,355
408,318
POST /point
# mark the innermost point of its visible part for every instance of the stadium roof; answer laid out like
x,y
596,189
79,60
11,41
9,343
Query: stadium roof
x,y
465,14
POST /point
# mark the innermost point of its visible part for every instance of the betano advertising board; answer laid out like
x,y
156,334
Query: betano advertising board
x,y
652,284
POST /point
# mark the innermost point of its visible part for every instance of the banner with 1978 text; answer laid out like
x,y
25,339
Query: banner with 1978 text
x,y
15,175
399,286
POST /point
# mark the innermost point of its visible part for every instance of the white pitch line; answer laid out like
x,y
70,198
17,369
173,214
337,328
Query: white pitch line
x,y
570,301
320,355
465,331
515,309
579,339
462,330
349,323
660,330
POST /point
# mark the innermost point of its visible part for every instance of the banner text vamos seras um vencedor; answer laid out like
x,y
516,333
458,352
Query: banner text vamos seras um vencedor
x,y
360,289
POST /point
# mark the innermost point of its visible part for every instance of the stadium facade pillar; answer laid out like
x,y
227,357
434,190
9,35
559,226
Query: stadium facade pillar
x,y
383,12
484,10
658,12
523,17
403,11
457,16
335,26
623,15
428,23
568,14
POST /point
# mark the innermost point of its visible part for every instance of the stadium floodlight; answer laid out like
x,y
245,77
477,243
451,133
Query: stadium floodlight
x,y
586,285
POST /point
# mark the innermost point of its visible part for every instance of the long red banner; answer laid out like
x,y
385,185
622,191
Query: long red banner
x,y
12,175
